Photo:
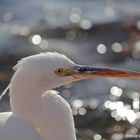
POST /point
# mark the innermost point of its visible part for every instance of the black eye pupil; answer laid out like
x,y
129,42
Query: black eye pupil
x,y
59,71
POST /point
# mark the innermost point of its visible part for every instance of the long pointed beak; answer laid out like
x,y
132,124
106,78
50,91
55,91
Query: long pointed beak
x,y
84,72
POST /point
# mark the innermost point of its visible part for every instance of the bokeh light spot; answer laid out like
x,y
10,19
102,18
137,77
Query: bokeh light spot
x,y
116,91
101,49
136,104
77,103
44,44
74,111
97,137
36,39
117,47
7,17
15,29
117,136
86,24
82,111
24,31
74,18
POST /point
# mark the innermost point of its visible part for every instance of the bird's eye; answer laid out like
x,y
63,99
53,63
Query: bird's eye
x,y
59,71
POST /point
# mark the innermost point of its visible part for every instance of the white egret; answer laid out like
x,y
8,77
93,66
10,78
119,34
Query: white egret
x,y
38,112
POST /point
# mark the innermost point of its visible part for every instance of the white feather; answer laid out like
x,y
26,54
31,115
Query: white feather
x,y
38,112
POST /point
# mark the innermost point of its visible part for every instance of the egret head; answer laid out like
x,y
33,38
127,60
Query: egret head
x,y
44,69
51,70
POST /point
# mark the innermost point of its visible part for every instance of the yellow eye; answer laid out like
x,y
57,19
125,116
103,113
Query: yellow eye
x,y
60,71
64,71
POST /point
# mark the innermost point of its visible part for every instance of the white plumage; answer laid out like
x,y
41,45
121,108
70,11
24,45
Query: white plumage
x,y
38,112
13,128
36,108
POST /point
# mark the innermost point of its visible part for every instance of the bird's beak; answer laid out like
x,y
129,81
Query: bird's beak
x,y
84,72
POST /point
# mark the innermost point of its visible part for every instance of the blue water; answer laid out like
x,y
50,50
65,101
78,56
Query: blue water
x,y
57,12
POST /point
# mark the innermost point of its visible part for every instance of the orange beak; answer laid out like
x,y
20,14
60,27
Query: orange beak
x,y
84,72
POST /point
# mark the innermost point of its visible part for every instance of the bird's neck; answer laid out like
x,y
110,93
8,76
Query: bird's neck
x,y
47,112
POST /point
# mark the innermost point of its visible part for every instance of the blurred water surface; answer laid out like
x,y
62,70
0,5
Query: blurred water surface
x,y
93,32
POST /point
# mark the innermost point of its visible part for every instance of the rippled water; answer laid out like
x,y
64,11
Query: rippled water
x,y
57,12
